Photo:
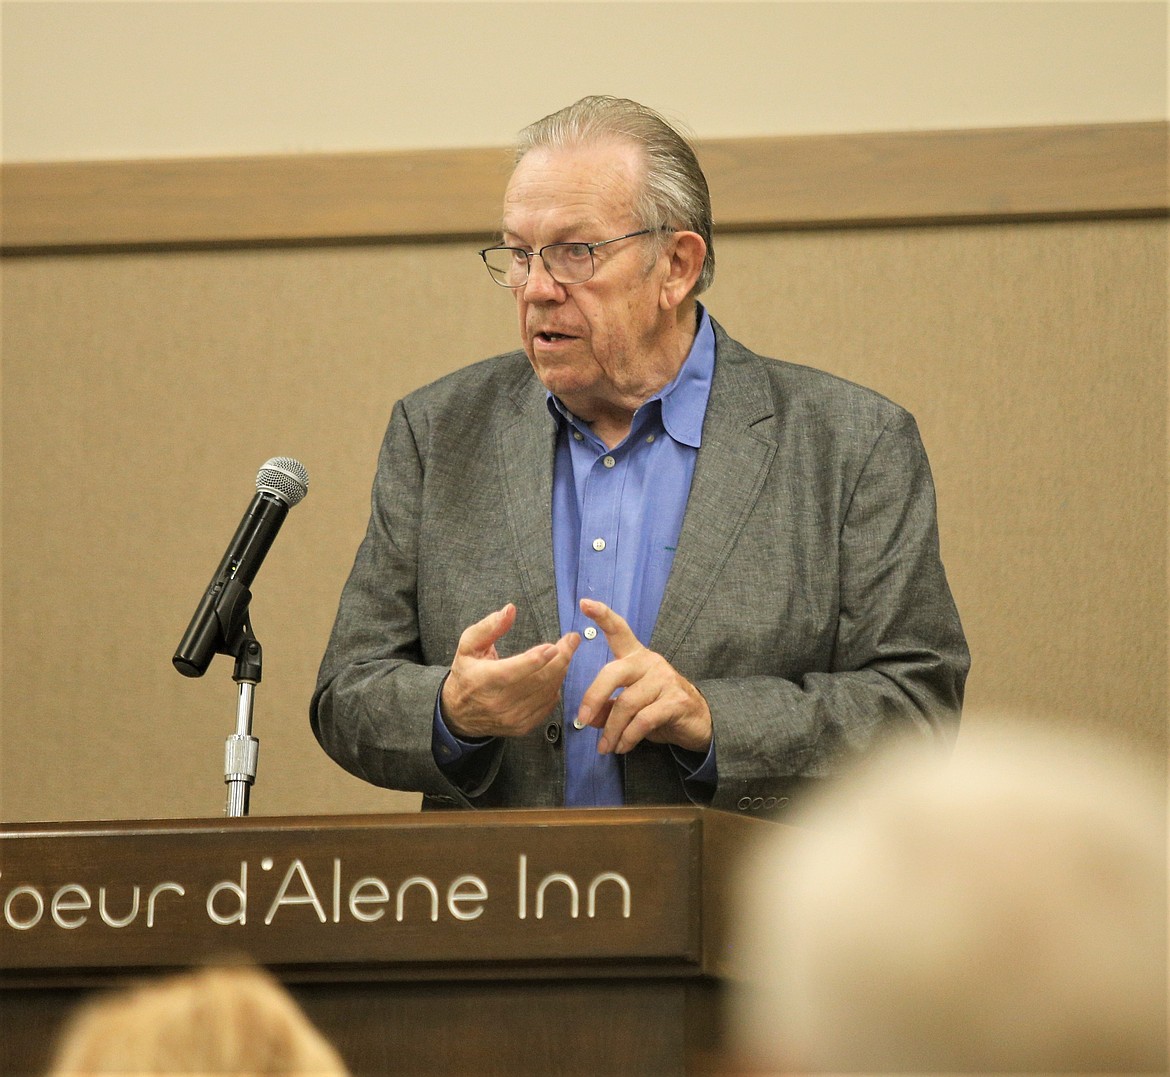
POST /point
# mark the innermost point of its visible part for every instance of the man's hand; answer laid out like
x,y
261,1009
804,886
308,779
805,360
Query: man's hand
x,y
656,703
489,696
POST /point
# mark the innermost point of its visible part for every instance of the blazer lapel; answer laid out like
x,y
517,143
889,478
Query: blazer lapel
x,y
525,448
736,453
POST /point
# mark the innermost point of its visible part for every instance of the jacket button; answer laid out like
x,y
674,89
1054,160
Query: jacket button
x,y
552,732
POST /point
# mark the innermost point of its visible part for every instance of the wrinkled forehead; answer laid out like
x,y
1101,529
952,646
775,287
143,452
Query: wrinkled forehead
x,y
559,190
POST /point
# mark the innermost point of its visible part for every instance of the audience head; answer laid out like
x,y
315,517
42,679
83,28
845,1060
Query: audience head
x,y
235,1020
1003,911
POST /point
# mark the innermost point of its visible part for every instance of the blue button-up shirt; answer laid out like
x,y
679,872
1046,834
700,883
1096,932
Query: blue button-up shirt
x,y
617,515
616,518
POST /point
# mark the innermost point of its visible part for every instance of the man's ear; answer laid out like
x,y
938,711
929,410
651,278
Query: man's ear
x,y
686,262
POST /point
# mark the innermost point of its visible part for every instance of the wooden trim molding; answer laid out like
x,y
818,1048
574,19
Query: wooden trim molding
x,y
804,181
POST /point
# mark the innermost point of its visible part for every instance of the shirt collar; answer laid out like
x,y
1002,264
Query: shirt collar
x,y
684,400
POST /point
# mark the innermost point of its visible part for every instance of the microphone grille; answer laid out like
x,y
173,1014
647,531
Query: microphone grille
x,y
284,477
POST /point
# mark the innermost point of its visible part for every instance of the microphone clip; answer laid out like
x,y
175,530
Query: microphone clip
x,y
235,637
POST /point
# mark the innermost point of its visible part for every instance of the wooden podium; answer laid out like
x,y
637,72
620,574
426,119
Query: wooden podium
x,y
507,942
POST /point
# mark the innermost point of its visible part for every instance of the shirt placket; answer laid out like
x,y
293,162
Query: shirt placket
x,y
596,576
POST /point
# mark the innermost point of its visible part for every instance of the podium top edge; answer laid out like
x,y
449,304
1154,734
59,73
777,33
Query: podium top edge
x,y
512,817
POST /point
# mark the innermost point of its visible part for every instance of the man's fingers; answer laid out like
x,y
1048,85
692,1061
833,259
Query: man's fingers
x,y
544,661
626,716
480,638
568,644
619,635
646,723
598,698
490,696
593,716
643,697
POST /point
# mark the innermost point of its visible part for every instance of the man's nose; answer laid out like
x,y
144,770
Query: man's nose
x,y
540,284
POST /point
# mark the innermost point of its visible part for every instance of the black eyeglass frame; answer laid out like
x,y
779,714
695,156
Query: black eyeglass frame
x,y
529,255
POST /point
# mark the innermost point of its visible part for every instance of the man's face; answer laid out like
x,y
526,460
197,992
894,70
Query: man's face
x,y
603,344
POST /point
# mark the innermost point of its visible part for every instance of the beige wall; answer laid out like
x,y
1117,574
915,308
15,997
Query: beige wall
x,y
142,392
156,79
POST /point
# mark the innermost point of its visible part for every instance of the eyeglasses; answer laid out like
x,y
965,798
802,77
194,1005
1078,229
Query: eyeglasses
x,y
566,263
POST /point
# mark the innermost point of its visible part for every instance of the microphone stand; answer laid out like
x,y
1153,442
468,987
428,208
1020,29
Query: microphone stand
x,y
242,749
238,640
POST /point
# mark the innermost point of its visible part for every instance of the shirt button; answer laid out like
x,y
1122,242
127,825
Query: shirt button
x,y
609,461
599,544
590,633
649,439
578,436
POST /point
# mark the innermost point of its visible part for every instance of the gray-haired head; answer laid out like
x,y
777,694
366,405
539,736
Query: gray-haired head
x,y
674,190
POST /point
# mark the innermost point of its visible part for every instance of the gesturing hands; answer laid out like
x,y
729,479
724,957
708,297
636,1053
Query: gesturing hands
x,y
489,696
656,702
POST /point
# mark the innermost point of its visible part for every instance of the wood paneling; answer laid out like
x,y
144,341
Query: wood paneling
x,y
1041,173
494,982
1105,170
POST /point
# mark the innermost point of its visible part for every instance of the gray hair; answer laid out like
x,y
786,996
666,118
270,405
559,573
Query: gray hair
x,y
674,190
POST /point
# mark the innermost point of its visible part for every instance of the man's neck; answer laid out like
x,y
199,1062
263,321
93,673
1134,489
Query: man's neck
x,y
612,424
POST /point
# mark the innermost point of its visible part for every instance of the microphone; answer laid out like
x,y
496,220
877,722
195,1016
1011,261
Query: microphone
x,y
221,615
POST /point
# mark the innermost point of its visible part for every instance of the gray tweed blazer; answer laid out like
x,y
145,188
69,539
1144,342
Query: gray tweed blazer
x,y
807,600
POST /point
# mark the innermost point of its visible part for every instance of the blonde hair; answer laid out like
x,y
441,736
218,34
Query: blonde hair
x,y
1004,912
230,1020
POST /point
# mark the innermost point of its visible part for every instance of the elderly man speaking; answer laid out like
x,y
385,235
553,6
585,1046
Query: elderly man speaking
x,y
634,562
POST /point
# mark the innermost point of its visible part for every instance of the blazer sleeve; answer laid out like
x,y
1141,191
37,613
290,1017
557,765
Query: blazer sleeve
x,y
374,704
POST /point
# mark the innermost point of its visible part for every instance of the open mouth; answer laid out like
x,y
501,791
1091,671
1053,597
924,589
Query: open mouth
x,y
551,338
